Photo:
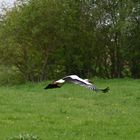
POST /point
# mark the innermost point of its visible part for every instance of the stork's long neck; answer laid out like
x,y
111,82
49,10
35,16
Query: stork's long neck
x,y
60,81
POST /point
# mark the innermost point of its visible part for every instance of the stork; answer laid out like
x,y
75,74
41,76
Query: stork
x,y
76,80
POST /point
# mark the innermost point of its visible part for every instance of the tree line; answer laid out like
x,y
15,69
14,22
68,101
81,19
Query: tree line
x,y
45,39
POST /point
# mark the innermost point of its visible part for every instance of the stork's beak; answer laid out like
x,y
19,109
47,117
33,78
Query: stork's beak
x,y
48,86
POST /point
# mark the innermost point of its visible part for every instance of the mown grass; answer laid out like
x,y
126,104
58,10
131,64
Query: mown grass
x,y
71,112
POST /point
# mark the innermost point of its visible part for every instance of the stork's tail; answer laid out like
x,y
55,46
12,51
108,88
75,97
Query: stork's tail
x,y
103,90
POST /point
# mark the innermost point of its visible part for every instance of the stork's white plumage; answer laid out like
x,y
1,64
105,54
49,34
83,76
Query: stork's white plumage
x,y
76,80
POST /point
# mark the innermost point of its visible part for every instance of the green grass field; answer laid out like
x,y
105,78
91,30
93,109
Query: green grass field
x,y
71,112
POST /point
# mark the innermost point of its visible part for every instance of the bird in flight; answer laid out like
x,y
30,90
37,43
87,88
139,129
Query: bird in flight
x,y
76,80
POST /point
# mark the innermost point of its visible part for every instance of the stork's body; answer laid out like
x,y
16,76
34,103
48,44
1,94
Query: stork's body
x,y
76,80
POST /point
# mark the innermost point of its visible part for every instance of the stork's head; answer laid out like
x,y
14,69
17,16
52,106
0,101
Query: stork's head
x,y
50,86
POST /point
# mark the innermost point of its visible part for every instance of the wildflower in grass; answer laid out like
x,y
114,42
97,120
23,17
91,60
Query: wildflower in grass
x,y
24,137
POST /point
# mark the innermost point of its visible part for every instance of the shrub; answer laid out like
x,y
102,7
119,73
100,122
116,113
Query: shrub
x,y
10,75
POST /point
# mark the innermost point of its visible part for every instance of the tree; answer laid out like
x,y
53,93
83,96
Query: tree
x,y
47,38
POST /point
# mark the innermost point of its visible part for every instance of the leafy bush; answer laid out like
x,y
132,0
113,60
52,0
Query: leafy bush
x,y
10,75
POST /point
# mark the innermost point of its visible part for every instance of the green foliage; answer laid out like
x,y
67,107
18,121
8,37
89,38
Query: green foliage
x,y
45,39
10,76
71,112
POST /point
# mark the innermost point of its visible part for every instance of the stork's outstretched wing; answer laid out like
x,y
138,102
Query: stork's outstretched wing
x,y
77,80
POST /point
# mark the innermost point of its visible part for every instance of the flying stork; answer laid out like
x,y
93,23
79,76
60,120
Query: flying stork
x,y
76,80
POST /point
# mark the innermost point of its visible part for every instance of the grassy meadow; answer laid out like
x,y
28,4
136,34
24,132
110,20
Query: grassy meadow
x,y
71,112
